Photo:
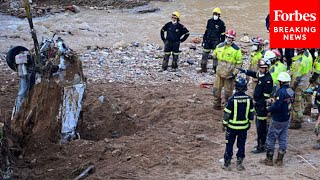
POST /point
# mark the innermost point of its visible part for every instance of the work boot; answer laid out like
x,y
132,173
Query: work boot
x,y
214,68
239,164
227,165
259,149
174,62
316,147
203,68
268,160
279,160
295,125
307,111
165,62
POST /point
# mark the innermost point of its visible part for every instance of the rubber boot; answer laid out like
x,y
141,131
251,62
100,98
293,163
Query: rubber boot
x,y
165,62
295,125
174,63
204,61
269,159
279,160
227,165
239,164
203,68
259,149
307,111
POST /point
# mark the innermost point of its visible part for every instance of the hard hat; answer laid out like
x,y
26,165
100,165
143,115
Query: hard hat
x,y
231,33
241,84
176,14
264,63
270,55
277,53
284,77
216,10
258,41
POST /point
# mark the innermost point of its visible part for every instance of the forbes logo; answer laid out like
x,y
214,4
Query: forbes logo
x,y
279,15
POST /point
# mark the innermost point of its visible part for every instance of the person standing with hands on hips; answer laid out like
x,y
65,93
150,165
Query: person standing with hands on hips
x,y
175,34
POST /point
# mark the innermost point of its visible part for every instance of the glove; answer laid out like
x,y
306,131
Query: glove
x,y
316,130
242,70
232,76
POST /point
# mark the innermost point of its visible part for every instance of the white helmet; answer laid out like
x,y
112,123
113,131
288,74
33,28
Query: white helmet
x,y
264,63
284,77
270,55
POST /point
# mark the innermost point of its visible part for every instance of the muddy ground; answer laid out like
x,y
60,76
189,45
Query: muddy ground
x,y
152,126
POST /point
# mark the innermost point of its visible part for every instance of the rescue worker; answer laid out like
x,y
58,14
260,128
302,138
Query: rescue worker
x,y
314,81
238,116
262,92
256,54
268,22
276,67
176,33
300,69
317,125
229,58
288,54
214,34
280,112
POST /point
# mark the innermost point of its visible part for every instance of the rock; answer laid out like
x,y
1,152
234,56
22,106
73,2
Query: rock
x,y
33,161
119,45
101,98
3,88
106,140
73,8
80,156
201,137
117,151
148,10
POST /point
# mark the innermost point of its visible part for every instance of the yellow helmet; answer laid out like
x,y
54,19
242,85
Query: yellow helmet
x,y
216,10
177,14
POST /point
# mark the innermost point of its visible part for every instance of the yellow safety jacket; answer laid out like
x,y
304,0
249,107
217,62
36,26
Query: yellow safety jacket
x,y
255,57
275,70
229,57
301,64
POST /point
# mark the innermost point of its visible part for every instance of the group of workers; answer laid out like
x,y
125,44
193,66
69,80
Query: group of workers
x,y
283,85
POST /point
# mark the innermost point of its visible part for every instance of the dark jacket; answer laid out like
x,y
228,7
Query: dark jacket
x,y
174,32
263,89
239,112
268,22
280,109
215,30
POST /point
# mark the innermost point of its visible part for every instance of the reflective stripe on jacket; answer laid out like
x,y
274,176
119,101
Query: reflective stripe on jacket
x,y
240,110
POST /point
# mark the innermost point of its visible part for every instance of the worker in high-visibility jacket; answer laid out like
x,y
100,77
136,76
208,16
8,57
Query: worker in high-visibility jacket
x,y
300,71
238,116
262,92
256,54
276,68
314,81
229,58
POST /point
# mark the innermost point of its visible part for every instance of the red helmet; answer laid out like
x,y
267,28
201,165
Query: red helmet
x,y
277,53
231,33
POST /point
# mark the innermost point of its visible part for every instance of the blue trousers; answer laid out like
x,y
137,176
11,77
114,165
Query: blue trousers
x,y
278,131
231,136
